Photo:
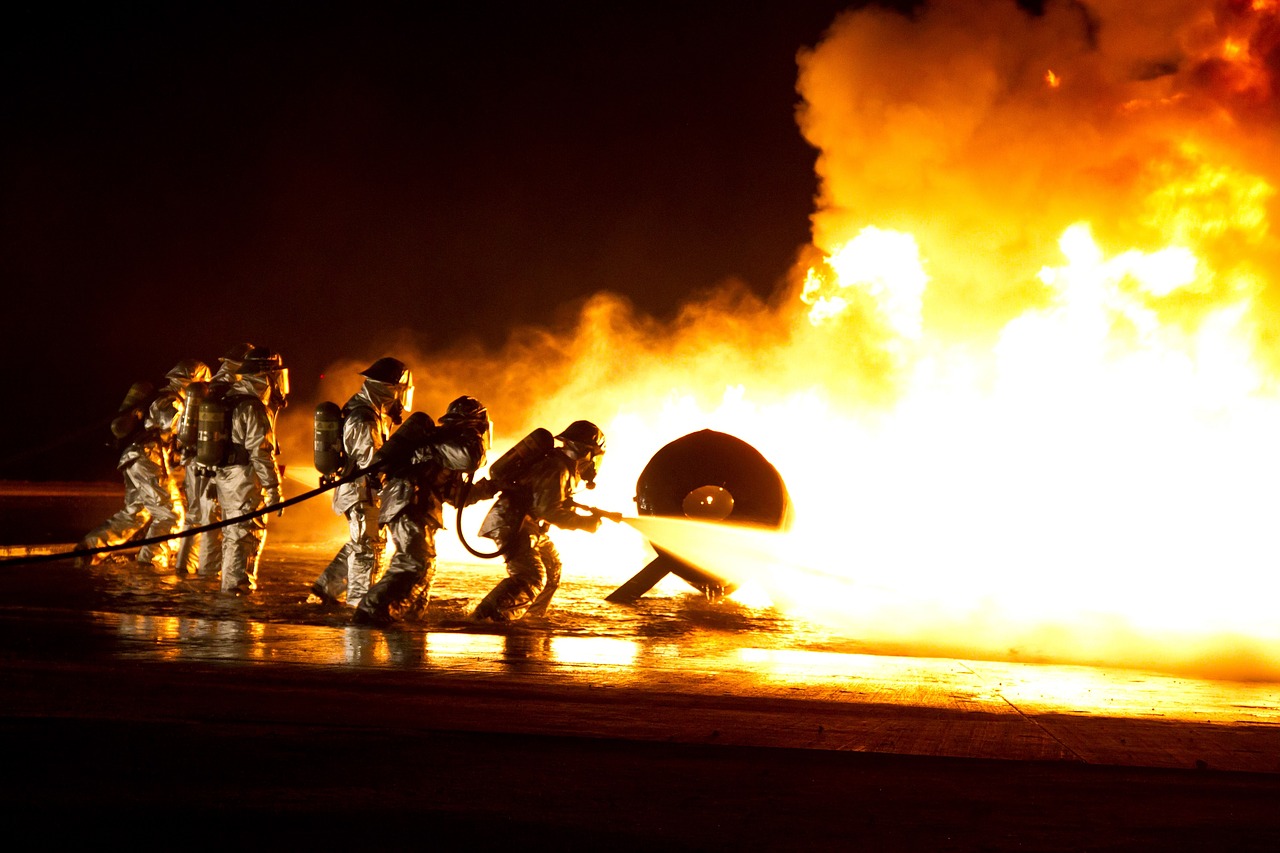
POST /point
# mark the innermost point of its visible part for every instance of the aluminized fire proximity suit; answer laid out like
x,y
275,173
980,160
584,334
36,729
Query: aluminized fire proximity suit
x,y
424,467
520,520
249,478
367,419
153,497
202,494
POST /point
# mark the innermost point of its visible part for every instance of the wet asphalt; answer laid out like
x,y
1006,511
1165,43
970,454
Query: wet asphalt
x,y
135,698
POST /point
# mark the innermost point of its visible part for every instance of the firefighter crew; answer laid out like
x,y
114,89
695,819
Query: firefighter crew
x,y
541,497
382,401
424,466
145,432
201,491
248,476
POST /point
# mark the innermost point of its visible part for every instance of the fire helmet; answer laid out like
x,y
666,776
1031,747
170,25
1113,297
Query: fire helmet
x,y
187,371
235,356
264,361
398,379
467,411
585,435
470,413
387,370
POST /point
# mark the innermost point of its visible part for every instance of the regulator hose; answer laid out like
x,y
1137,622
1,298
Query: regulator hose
x,y
191,531
463,492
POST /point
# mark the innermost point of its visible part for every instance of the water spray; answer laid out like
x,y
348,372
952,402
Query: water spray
x,y
710,477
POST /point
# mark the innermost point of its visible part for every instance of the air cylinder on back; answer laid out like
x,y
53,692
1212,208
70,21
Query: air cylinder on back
x,y
328,439
212,438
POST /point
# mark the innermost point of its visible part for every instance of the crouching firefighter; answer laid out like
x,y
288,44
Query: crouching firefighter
x,y
345,442
536,492
248,475
424,465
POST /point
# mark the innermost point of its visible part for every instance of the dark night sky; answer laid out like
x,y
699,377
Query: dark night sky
x,y
176,178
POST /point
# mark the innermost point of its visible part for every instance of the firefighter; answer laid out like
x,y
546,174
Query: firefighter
x,y
540,497
248,476
367,418
153,498
424,466
201,492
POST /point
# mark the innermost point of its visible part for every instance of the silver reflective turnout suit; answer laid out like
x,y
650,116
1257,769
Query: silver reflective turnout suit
x,y
519,522
202,493
152,501
248,480
412,511
364,429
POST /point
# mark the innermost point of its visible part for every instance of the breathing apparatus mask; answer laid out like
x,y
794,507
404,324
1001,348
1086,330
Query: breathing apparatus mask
x,y
585,443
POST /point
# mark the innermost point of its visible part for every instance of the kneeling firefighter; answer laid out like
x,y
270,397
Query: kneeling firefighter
x,y
346,441
533,496
248,475
425,466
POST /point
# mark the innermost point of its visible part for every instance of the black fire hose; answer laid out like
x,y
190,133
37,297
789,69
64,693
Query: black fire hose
x,y
506,546
192,531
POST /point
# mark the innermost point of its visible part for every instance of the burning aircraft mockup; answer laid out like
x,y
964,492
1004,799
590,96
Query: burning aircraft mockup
x,y
706,476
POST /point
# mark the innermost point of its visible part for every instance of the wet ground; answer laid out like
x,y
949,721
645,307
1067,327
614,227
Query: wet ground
x,y
134,698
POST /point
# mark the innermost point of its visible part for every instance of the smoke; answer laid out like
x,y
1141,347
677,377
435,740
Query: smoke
x,y
985,130
1043,418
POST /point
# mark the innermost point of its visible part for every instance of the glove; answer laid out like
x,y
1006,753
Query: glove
x,y
591,523
276,496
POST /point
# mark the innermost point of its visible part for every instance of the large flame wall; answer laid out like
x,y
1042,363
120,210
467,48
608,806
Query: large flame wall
x,y
1022,384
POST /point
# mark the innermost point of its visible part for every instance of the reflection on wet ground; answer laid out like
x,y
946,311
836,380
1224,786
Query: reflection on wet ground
x,y
674,723
672,637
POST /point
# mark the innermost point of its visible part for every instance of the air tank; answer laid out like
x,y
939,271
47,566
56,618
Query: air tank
x,y
328,439
212,434
188,422
510,465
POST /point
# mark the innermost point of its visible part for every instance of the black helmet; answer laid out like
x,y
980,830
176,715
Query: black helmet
x,y
467,410
261,360
585,434
388,370
470,413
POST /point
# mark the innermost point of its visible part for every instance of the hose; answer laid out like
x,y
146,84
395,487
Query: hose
x,y
191,531
461,502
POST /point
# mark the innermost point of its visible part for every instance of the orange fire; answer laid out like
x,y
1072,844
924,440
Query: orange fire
x,y
1023,385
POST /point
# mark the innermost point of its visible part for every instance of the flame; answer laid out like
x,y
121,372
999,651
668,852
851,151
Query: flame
x,y
1022,385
